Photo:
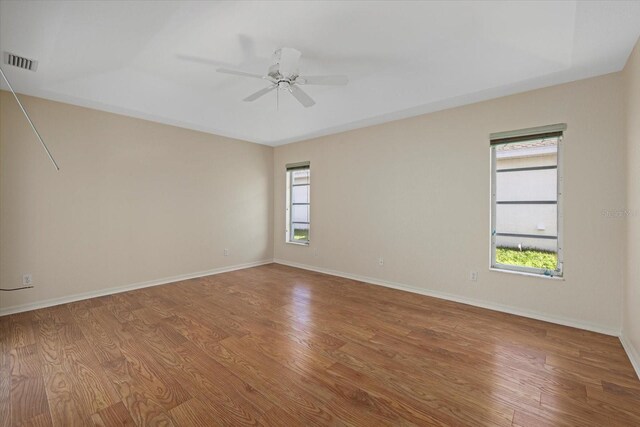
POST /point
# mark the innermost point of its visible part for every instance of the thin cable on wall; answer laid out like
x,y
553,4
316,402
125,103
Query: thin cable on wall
x,y
15,289
30,122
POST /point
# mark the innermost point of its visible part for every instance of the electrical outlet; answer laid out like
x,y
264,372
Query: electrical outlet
x,y
473,276
380,261
27,280
315,252
226,252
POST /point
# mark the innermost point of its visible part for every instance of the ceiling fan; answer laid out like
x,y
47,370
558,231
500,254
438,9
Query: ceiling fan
x,y
284,75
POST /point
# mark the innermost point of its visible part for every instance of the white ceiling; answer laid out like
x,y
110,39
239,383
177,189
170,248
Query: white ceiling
x,y
157,60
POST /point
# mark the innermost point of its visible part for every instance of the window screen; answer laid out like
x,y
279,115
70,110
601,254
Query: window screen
x,y
298,203
526,201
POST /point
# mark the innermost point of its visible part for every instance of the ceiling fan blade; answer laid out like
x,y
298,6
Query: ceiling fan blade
x,y
239,73
336,80
301,96
260,93
202,60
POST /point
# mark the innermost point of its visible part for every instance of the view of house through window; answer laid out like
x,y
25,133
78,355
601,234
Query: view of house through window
x,y
298,202
525,211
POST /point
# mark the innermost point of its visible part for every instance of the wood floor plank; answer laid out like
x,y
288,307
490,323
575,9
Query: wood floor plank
x,y
448,364
64,404
598,397
28,396
628,389
149,374
277,417
539,419
587,414
408,407
42,420
103,345
281,386
92,386
21,330
449,395
351,407
195,413
114,415
28,399
141,403
197,332
214,380
275,345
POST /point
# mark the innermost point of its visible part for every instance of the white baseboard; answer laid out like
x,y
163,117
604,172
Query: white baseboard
x,y
92,294
632,352
464,300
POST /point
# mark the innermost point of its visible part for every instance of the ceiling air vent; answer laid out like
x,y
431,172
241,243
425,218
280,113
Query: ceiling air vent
x,y
20,61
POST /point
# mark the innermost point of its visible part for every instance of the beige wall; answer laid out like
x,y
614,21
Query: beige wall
x,y
416,192
134,201
631,326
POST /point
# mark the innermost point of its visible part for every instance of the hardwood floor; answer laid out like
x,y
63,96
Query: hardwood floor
x,y
274,345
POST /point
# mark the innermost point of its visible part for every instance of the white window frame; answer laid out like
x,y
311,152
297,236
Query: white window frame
x,y
289,200
531,133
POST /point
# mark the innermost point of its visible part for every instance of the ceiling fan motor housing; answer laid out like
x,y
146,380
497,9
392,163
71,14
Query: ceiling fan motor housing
x,y
286,63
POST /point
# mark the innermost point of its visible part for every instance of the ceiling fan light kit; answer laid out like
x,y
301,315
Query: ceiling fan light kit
x,y
284,75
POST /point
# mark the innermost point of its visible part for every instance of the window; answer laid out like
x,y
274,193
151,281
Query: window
x,y
526,200
298,203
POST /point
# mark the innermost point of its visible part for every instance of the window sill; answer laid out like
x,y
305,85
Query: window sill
x,y
523,273
297,243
